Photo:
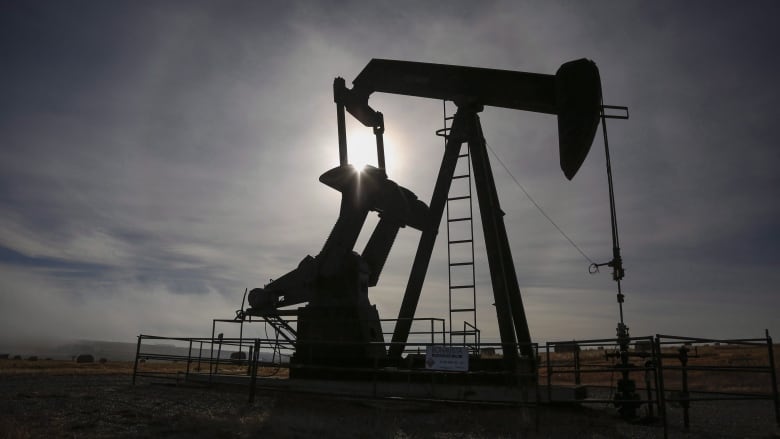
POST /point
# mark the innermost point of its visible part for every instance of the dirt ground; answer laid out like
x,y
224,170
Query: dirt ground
x,y
97,405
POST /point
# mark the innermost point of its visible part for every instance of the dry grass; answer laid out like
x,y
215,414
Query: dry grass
x,y
64,367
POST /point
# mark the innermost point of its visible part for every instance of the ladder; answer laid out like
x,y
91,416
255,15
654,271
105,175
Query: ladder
x,y
460,250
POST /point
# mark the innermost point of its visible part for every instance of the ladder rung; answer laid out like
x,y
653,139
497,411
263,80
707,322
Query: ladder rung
x,y
462,310
455,220
461,176
462,197
456,264
463,155
460,241
459,287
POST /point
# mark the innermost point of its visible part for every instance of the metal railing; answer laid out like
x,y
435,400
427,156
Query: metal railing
x,y
666,368
696,374
432,332
427,328
190,360
170,362
593,363
673,369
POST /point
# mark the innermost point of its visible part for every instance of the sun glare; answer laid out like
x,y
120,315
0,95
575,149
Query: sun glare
x,y
361,149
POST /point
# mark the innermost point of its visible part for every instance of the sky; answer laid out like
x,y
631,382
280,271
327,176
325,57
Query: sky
x,y
159,157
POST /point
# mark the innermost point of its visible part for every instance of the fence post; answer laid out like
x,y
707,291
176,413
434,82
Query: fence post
x,y
253,378
686,403
211,351
137,352
661,392
249,359
219,353
200,354
648,386
577,377
189,360
774,376
549,374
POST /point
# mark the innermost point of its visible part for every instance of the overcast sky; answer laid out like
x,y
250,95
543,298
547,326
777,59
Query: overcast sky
x,y
158,157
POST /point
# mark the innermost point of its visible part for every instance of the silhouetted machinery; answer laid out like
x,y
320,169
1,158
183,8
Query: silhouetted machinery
x,y
338,326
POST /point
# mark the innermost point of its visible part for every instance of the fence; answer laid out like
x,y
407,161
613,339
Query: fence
x,y
666,369
423,329
191,360
674,369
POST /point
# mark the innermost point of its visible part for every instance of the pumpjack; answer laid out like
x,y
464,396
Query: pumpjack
x,y
339,326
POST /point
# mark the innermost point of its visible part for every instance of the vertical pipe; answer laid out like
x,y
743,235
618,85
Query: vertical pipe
x,y
137,353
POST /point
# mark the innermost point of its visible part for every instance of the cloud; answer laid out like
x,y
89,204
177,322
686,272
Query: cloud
x,y
45,307
154,158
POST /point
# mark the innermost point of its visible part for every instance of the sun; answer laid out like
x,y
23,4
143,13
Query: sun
x,y
361,148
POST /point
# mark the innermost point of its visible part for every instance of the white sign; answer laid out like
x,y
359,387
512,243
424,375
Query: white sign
x,y
440,357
